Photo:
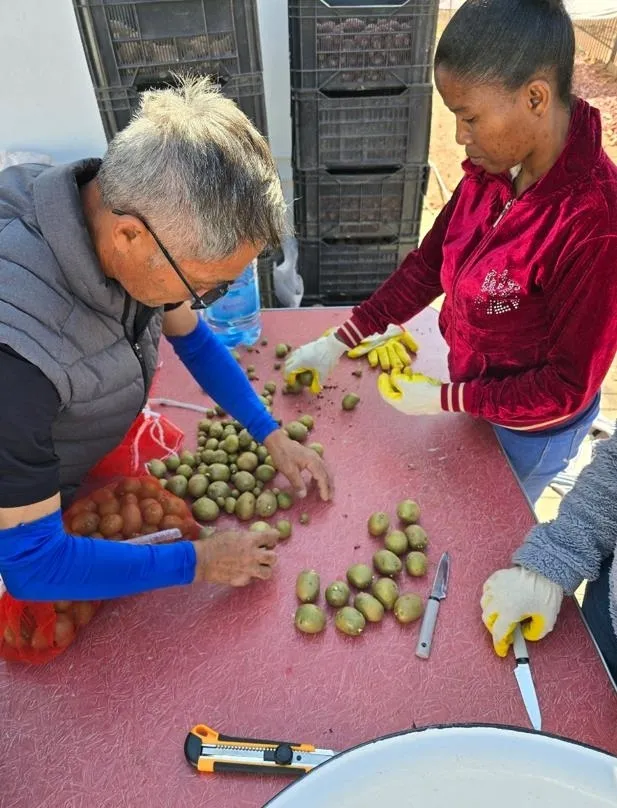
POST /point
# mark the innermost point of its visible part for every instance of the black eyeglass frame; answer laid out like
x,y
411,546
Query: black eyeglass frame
x,y
200,302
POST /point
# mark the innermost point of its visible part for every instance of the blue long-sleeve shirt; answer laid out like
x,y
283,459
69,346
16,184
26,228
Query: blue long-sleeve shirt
x,y
38,560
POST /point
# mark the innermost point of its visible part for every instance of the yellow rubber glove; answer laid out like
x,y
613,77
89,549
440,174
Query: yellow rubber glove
x,y
518,595
411,393
388,350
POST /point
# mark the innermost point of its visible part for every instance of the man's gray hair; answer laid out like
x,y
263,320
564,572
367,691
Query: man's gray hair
x,y
196,169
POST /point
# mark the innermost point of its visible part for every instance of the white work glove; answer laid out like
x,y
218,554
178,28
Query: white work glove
x,y
318,357
410,393
518,595
389,350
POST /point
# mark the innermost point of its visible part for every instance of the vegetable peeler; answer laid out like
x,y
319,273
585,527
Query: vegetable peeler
x,y
208,751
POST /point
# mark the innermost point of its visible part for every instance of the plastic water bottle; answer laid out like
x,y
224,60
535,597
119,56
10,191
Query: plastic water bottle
x,y
236,317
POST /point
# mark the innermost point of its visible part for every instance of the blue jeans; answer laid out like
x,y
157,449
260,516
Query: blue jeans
x,y
538,457
597,613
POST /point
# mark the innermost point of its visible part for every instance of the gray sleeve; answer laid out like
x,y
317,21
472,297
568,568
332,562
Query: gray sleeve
x,y
572,548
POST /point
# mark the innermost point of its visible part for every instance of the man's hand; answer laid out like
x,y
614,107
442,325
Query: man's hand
x,y
319,357
389,350
518,595
411,393
236,557
291,459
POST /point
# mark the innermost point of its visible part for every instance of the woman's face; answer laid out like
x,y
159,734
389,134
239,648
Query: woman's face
x,y
497,126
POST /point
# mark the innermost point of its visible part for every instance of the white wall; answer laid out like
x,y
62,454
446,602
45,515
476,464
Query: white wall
x,y
274,33
47,102
578,9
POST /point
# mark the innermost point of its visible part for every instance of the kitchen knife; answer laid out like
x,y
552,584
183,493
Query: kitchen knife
x,y
525,680
440,590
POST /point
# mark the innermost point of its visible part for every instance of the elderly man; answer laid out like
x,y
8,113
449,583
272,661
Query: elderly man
x,y
96,259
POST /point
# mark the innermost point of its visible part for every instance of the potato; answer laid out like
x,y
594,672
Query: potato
x,y
111,525
130,485
85,523
83,612
9,637
111,506
39,641
102,495
173,506
152,511
132,520
171,521
83,506
150,487
64,631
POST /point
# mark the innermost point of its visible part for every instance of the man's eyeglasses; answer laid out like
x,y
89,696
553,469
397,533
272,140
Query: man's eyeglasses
x,y
199,301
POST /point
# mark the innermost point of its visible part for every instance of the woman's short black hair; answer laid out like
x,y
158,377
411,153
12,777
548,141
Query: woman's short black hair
x,y
509,42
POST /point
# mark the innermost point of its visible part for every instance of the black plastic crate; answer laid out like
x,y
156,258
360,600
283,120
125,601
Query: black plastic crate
x,y
121,38
265,266
361,46
337,272
117,104
359,205
332,131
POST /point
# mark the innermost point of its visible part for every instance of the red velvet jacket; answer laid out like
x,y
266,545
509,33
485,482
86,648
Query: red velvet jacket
x,y
530,313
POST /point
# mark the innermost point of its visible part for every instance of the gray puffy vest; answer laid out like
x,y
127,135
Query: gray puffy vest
x,y
61,313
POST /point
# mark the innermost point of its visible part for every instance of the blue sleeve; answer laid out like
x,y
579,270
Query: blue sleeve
x,y
213,367
39,561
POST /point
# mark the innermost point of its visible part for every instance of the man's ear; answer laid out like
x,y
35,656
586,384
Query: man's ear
x,y
126,229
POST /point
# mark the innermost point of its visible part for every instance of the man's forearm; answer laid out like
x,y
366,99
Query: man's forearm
x,y
39,561
217,372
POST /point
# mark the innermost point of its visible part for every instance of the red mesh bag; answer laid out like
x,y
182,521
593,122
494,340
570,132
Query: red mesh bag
x,y
151,436
123,510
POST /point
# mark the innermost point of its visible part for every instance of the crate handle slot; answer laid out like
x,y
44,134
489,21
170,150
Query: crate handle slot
x,y
386,92
360,241
373,171
173,80
364,4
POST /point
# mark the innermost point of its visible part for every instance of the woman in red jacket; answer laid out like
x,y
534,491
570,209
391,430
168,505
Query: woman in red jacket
x,y
525,251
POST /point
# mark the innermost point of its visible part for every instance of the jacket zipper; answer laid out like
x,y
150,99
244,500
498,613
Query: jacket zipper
x,y
134,342
508,207
509,204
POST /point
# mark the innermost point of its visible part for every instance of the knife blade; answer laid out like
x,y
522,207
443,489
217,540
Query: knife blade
x,y
439,592
522,671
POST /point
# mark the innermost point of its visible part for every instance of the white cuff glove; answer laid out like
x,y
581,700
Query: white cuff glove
x,y
518,595
318,357
411,393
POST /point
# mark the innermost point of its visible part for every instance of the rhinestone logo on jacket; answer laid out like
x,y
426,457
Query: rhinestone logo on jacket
x,y
498,294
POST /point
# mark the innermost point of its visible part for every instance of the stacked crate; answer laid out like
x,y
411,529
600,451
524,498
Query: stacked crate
x,y
361,110
142,44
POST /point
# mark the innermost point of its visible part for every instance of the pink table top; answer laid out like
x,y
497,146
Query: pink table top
x,y
104,724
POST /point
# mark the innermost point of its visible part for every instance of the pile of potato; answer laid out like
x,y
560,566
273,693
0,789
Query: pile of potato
x,y
363,43
375,595
125,509
132,507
